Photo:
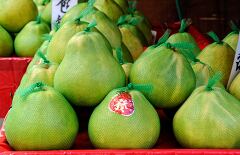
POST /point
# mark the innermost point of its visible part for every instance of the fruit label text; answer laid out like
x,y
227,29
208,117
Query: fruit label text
x,y
236,64
122,104
59,8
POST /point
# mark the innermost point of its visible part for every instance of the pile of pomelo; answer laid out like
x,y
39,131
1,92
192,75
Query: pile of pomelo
x,y
95,58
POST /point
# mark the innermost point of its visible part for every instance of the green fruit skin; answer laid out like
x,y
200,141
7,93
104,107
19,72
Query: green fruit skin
x,y
73,13
109,8
56,48
184,37
6,43
29,39
43,120
208,119
47,13
232,40
95,71
106,27
15,14
36,59
123,4
234,88
220,58
203,74
133,39
169,73
38,72
109,130
143,27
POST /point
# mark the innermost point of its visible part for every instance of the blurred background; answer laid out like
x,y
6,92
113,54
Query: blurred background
x,y
206,15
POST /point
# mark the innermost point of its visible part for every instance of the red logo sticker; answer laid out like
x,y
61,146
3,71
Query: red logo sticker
x,y
122,104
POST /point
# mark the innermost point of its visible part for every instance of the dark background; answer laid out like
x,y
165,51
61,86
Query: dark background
x,y
206,14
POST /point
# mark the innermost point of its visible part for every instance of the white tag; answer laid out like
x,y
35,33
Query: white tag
x,y
154,36
59,8
236,65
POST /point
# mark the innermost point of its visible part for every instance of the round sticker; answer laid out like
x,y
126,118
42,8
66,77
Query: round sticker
x,y
122,104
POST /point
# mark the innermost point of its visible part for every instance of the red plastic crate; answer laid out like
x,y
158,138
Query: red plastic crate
x,y
11,72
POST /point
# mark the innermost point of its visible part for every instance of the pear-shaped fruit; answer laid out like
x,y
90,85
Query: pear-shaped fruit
x,y
15,14
219,56
56,48
44,72
73,13
208,119
29,39
133,39
233,37
123,5
105,26
109,8
183,36
232,40
88,71
234,88
143,27
37,59
41,5
124,120
203,73
168,71
47,13
6,43
41,119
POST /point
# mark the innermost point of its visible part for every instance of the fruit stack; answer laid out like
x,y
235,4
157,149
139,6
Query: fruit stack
x,y
94,58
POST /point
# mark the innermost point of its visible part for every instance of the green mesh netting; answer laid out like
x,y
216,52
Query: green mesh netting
x,y
214,80
214,36
33,88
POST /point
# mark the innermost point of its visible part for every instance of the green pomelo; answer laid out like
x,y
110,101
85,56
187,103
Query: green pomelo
x,y
133,39
143,27
184,37
15,14
234,88
88,71
47,13
232,40
109,129
208,119
109,8
40,72
123,5
106,27
36,59
73,13
139,13
56,48
203,74
29,39
41,120
6,43
170,74
219,57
